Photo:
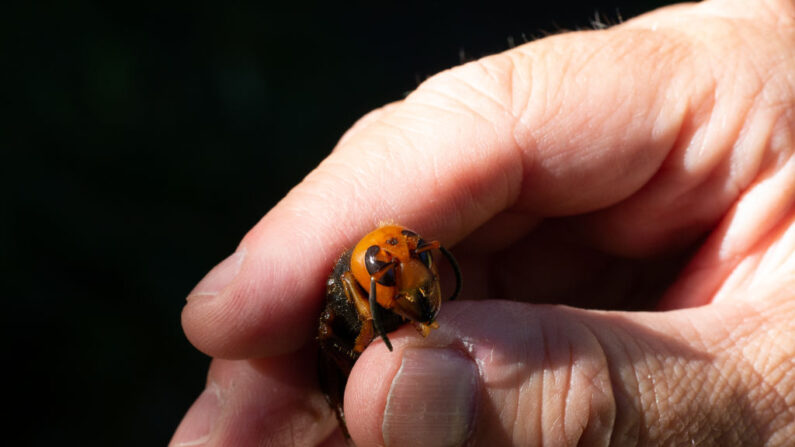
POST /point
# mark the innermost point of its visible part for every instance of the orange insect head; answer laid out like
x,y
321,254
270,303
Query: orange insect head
x,y
400,263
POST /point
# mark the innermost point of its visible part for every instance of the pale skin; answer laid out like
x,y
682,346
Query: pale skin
x,y
570,170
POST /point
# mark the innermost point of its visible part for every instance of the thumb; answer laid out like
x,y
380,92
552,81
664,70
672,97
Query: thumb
x,y
506,373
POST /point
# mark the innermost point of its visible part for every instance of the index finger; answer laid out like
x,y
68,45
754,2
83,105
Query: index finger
x,y
549,128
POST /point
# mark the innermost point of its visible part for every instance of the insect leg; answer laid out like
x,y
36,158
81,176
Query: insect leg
x,y
376,312
459,282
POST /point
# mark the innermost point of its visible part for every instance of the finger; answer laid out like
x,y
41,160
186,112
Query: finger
x,y
260,402
529,130
506,373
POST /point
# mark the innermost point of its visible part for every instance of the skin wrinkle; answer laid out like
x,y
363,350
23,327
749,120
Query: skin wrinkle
x,y
318,190
550,382
735,185
514,78
551,88
546,88
696,146
687,134
236,308
784,420
767,399
584,58
650,394
763,78
667,118
764,363
640,380
731,331
515,422
679,389
610,427
625,50
696,339
729,374
521,92
512,419
545,365
450,97
436,105
479,92
388,159
673,51
747,383
595,415
707,90
614,380
596,419
723,376
399,130
496,73
405,142
763,374
749,99
690,386
751,145
567,392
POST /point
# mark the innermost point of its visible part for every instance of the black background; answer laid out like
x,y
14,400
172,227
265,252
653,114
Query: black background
x,y
140,142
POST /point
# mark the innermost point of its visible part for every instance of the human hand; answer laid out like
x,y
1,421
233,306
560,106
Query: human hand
x,y
578,169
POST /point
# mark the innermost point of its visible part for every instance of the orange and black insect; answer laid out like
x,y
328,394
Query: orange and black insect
x,y
389,278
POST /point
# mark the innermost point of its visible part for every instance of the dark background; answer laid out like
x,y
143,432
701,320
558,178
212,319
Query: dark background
x,y
140,143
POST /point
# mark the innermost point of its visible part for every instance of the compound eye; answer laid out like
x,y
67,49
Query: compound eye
x,y
425,256
375,265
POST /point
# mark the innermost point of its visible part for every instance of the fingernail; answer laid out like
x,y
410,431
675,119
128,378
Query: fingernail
x,y
220,276
198,423
432,399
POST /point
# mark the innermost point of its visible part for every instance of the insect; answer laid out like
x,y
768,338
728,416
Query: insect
x,y
389,278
